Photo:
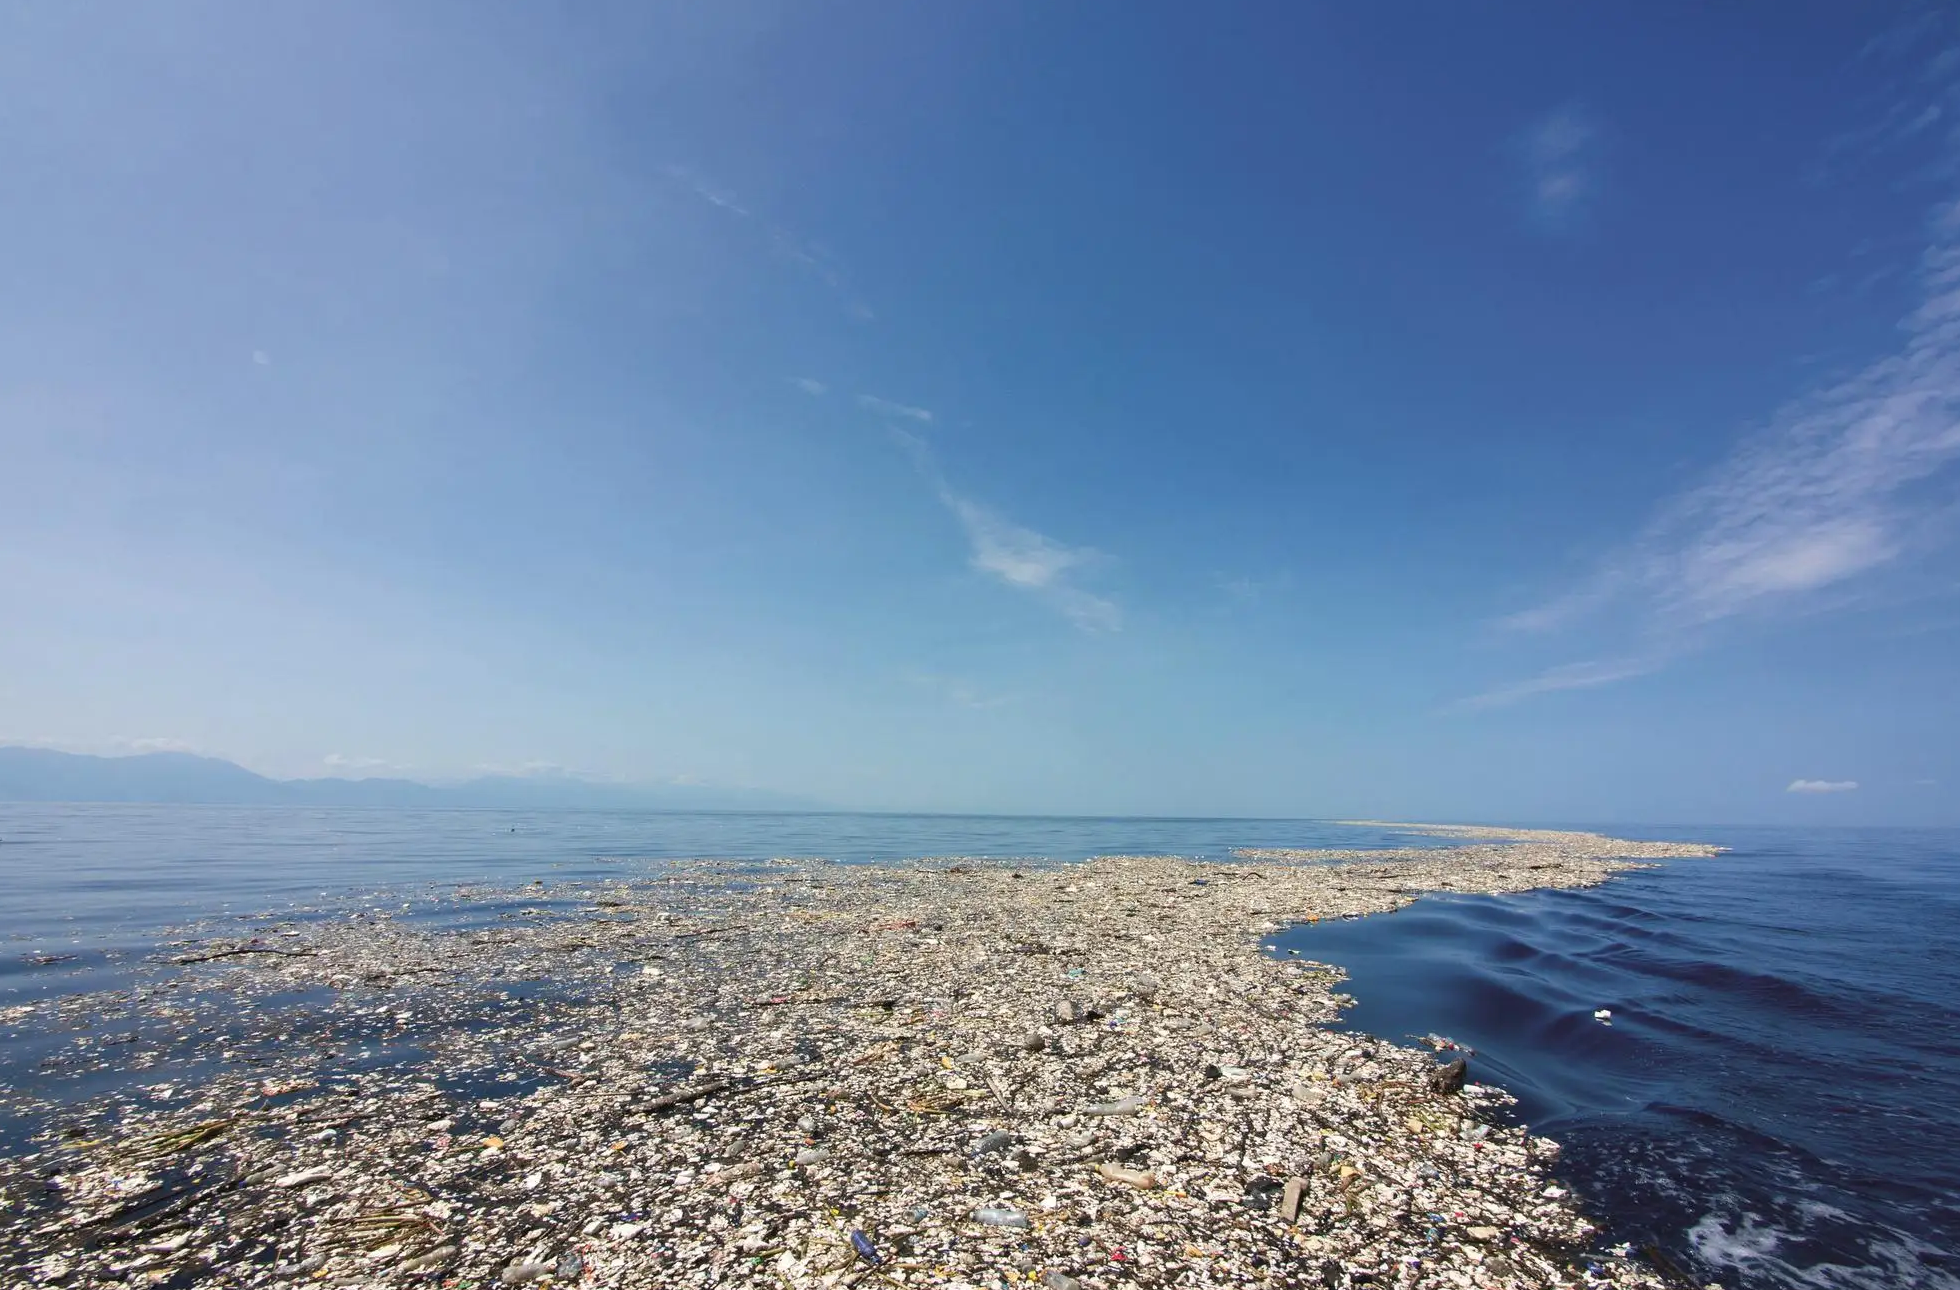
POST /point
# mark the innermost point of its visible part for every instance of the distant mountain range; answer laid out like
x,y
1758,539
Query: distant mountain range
x,y
44,775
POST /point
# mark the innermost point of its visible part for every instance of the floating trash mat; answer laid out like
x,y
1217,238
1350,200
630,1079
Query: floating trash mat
x,y
952,1073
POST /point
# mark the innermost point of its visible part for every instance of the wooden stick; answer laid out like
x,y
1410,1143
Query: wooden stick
x,y
710,931
245,949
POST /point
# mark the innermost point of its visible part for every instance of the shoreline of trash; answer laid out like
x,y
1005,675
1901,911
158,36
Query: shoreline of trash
x,y
816,1075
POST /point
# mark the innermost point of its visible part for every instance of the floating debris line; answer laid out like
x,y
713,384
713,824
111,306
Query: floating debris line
x,y
809,1075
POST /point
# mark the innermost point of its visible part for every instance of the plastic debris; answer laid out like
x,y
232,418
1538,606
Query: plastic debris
x,y
998,1140
829,1067
1141,1179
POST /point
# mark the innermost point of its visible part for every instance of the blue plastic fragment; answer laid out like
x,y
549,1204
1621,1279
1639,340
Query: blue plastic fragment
x,y
866,1251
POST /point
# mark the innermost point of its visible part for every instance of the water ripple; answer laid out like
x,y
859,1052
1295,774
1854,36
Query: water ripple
x,y
1775,1100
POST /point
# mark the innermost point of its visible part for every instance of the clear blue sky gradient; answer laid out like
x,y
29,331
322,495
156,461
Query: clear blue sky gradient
x,y
1508,412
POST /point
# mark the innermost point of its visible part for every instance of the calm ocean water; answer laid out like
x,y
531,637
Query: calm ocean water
x,y
1776,1101
112,872
1776,1098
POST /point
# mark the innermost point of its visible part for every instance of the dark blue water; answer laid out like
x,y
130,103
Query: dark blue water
x,y
1776,1098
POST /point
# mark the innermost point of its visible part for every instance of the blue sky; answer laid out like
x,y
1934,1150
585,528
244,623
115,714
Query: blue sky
x,y
1536,412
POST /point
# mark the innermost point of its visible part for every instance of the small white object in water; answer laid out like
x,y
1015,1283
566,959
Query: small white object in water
x,y
1603,1014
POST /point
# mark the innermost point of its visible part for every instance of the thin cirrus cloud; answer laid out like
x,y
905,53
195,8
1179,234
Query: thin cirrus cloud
x,y
1018,556
809,385
1033,562
1567,676
887,408
806,255
1918,100
958,692
1831,490
1821,786
1560,166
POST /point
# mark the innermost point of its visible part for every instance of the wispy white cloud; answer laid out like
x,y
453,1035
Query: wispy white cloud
x,y
1819,495
709,193
1837,485
1568,607
822,265
809,385
1018,556
1021,557
1917,94
1244,589
1567,676
339,761
809,256
887,408
150,744
539,770
1902,35
1560,165
958,692
1901,121
1821,786
112,746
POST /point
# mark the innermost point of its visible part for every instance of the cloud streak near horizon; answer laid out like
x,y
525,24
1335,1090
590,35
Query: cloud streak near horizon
x,y
1836,486
340,761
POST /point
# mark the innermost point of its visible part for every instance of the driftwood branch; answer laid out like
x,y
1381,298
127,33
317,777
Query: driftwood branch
x,y
710,931
243,949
